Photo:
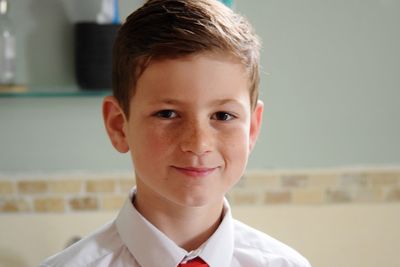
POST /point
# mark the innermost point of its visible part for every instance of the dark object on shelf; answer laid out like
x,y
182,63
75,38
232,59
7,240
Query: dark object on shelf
x,y
93,51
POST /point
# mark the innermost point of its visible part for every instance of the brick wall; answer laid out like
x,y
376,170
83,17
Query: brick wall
x,y
90,192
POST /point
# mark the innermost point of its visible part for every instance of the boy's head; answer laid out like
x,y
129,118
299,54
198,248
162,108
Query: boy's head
x,y
168,29
185,101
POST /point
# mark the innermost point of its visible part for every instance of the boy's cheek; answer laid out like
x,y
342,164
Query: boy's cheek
x,y
164,138
153,141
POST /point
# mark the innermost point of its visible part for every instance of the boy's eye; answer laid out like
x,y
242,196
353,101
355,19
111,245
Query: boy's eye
x,y
166,114
222,116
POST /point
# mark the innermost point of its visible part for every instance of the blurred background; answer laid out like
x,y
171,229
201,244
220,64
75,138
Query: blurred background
x,y
329,147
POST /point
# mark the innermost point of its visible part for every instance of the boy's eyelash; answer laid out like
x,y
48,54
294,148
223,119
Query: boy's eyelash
x,y
171,114
223,116
166,114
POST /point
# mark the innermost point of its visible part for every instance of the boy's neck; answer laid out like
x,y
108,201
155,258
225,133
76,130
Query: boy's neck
x,y
188,227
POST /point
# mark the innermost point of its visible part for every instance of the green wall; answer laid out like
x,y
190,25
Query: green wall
x,y
331,85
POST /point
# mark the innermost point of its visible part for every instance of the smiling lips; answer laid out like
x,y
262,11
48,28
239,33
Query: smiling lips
x,y
195,171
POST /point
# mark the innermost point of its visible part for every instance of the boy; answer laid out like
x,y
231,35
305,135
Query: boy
x,y
185,105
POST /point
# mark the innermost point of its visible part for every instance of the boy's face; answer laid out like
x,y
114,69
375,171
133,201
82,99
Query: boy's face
x,y
190,129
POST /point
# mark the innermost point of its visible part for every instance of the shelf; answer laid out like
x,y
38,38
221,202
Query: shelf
x,y
53,92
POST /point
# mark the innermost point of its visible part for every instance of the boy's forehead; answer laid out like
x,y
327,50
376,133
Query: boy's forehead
x,y
220,66
210,54
162,66
201,79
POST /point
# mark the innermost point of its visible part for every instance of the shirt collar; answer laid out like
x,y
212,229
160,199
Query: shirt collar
x,y
149,245
218,249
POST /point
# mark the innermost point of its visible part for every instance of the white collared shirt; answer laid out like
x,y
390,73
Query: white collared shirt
x,y
131,240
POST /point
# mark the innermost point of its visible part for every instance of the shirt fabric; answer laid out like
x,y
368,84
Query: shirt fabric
x,y
131,240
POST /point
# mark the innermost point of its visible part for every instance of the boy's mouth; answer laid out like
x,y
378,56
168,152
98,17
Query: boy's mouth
x,y
195,171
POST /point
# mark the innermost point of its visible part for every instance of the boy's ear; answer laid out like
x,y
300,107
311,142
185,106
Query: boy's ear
x,y
114,121
255,123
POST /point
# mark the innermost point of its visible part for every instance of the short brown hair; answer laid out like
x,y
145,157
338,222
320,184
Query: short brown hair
x,y
175,28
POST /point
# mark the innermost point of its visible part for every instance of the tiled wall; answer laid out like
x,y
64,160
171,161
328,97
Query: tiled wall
x,y
91,192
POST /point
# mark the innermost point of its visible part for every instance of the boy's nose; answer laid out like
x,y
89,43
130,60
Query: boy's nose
x,y
196,139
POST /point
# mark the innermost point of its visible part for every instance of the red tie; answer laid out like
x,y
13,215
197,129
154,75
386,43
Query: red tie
x,y
196,262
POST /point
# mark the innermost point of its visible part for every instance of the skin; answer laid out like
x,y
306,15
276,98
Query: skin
x,y
190,131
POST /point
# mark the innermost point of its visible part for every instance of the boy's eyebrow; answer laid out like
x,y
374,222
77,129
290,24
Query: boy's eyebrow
x,y
215,102
166,101
227,101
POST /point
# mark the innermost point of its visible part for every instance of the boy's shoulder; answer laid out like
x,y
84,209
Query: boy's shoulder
x,y
89,250
255,244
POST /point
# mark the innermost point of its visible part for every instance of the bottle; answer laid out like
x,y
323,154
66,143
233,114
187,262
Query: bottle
x,y
7,46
